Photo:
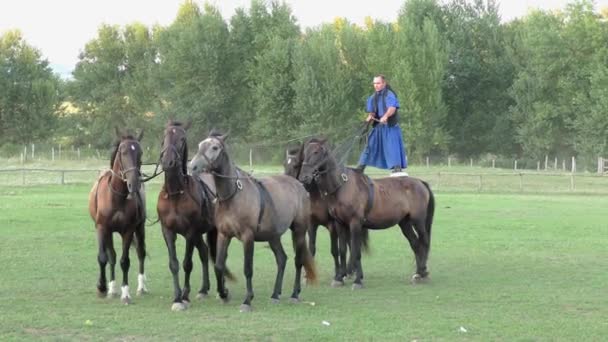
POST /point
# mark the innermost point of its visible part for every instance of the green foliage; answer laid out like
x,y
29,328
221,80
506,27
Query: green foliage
x,y
468,83
29,92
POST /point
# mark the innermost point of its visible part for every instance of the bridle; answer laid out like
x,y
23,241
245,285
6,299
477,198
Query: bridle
x,y
122,173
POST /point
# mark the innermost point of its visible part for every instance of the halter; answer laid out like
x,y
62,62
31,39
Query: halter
x,y
178,158
316,173
122,173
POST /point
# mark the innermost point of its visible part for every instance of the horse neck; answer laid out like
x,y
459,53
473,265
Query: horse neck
x,y
330,180
174,180
225,184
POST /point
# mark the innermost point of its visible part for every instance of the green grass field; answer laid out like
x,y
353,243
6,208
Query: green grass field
x,y
503,267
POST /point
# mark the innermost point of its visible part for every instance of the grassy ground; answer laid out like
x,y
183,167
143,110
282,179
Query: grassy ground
x,y
503,267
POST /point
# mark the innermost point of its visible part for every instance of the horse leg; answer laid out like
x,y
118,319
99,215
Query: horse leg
x,y
102,260
343,242
355,250
111,253
203,254
248,244
125,263
187,266
281,259
423,247
338,279
220,266
408,231
169,237
140,241
312,239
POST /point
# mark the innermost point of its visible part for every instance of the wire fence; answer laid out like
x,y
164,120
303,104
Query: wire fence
x,y
440,180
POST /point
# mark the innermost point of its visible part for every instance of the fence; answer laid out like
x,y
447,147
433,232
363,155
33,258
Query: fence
x,y
443,181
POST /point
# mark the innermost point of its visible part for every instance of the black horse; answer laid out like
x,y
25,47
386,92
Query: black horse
x,y
320,215
185,208
356,202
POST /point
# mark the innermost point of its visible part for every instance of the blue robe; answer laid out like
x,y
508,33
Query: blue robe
x,y
385,148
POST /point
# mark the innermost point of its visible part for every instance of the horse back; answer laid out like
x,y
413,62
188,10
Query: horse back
x,y
398,197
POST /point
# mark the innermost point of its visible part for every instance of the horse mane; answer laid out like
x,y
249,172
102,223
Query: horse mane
x,y
116,144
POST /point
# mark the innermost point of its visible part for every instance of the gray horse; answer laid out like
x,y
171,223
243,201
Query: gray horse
x,y
255,210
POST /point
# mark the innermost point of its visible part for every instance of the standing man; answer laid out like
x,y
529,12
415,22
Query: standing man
x,y
385,148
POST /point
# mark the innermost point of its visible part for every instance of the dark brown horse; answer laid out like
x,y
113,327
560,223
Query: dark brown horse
x,y
356,202
117,204
185,207
320,216
256,210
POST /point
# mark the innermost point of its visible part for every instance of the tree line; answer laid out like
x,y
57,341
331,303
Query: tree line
x,y
469,84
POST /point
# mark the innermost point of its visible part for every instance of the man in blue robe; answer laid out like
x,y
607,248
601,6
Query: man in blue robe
x,y
385,148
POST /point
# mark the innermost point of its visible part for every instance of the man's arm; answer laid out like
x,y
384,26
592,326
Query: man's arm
x,y
390,112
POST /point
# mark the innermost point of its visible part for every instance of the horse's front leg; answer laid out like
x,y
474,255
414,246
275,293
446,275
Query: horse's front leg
x,y
335,252
220,266
355,250
102,259
187,265
203,254
111,253
140,240
169,237
312,238
343,242
248,247
125,263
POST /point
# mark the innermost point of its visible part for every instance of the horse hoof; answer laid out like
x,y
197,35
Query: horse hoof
x,y
201,296
336,283
126,300
224,300
245,308
178,307
141,292
419,279
102,294
357,286
275,300
294,300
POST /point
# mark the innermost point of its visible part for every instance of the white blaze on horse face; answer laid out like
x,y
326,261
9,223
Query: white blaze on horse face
x,y
288,161
132,147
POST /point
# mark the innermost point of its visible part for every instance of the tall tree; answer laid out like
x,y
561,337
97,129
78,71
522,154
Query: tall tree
x,y
29,91
420,59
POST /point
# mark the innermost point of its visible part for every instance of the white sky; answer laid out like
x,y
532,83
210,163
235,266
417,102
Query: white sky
x,y
61,28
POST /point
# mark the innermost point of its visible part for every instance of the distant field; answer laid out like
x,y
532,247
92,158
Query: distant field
x,y
503,267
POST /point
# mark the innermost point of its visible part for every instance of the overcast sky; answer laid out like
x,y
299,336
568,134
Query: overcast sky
x,y
60,28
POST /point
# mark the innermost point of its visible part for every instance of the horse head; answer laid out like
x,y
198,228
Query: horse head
x,y
126,159
315,158
174,149
210,154
293,161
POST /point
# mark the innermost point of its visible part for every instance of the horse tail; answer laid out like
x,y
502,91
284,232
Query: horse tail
x,y
303,252
212,243
430,212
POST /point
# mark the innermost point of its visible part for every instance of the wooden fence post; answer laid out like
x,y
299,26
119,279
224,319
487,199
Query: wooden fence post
x,y
33,151
53,153
538,166
521,182
546,162
493,163
427,162
62,177
480,183
449,161
515,167
573,166
471,162
555,164
572,182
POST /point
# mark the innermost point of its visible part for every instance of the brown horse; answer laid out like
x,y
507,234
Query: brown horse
x,y
117,204
356,202
256,210
185,207
320,216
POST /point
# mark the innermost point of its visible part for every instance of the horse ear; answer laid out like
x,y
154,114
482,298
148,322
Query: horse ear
x,y
141,135
224,137
188,124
